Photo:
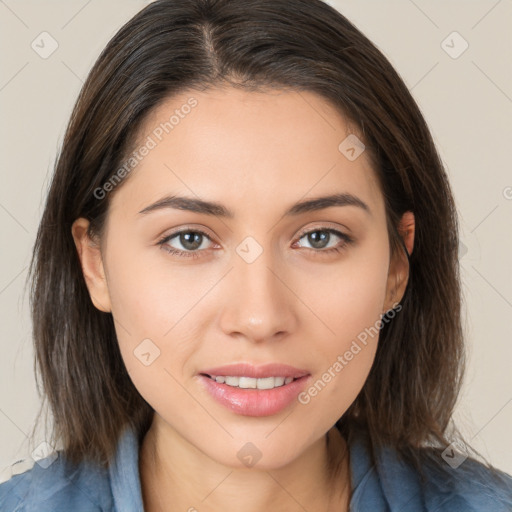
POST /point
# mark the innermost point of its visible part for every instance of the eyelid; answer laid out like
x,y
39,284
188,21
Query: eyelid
x,y
186,229
324,226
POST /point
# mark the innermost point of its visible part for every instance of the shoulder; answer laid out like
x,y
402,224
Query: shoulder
x,y
441,484
52,484
470,487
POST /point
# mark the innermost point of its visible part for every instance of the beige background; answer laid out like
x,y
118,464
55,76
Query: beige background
x,y
467,102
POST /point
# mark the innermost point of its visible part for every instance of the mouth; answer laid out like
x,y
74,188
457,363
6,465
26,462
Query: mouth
x,y
246,375
244,382
251,390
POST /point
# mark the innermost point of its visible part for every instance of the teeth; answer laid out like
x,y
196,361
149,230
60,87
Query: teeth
x,y
252,383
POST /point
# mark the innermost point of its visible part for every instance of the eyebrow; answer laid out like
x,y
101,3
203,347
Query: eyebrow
x,y
216,209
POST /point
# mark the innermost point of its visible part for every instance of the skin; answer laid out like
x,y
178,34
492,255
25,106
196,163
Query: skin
x,y
257,154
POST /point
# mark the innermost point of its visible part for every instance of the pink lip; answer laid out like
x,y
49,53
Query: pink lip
x,y
257,372
255,402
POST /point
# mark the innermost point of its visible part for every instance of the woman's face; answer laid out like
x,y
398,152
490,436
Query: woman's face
x,y
260,286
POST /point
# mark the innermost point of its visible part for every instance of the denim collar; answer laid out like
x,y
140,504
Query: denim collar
x,y
124,474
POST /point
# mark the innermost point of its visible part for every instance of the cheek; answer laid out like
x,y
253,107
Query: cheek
x,y
349,303
155,337
346,360
154,308
151,296
348,296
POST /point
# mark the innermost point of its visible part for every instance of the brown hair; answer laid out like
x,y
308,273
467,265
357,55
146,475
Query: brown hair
x,y
173,46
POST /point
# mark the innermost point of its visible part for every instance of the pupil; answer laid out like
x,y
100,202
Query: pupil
x,y
185,240
318,241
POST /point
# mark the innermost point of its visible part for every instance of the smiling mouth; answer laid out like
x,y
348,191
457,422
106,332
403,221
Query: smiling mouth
x,y
254,396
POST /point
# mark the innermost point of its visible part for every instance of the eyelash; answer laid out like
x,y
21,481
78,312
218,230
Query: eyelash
x,y
347,240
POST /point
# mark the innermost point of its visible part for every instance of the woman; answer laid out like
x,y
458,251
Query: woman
x,y
245,281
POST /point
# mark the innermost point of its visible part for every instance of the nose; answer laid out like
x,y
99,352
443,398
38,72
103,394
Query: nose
x,y
259,304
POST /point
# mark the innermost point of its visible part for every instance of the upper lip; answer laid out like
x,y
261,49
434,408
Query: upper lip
x,y
257,372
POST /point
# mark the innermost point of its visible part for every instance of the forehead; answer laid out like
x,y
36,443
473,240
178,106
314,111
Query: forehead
x,y
247,146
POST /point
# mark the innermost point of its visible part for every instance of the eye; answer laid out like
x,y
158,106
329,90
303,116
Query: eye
x,y
190,239
319,238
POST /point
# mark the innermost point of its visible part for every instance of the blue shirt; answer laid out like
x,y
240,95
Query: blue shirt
x,y
389,486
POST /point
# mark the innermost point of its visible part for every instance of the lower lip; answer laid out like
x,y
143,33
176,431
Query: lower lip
x,y
255,402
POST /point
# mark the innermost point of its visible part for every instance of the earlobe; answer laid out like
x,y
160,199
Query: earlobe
x,y
92,265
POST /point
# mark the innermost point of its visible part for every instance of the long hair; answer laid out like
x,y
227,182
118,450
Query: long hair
x,y
301,45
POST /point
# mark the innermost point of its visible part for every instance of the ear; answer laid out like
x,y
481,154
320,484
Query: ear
x,y
92,265
398,274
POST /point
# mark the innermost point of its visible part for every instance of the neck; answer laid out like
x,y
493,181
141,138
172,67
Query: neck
x,y
176,476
